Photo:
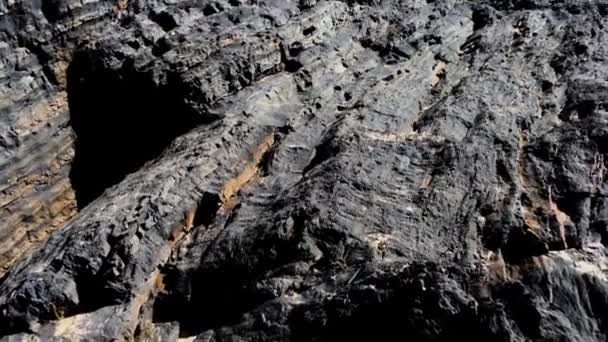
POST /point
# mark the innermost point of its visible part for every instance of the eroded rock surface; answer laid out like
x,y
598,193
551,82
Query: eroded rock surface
x,y
268,170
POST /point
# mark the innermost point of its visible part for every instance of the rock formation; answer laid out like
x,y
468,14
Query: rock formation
x,y
283,170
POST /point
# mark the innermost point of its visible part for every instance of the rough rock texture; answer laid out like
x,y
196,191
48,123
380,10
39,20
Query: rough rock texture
x,y
282,170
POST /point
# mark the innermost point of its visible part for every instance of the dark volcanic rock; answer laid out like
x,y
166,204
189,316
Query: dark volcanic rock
x,y
304,170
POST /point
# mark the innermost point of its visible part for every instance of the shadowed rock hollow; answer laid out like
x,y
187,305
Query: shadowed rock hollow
x,y
121,120
306,170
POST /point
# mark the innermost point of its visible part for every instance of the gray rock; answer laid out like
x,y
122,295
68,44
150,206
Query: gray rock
x,y
308,170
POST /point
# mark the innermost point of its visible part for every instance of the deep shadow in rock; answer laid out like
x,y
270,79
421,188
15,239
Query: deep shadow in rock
x,y
121,119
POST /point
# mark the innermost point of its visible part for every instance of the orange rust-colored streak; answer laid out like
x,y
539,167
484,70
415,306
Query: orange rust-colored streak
x,y
181,231
528,214
546,204
189,218
159,281
518,271
438,73
234,185
120,6
562,218
34,118
184,226
228,199
26,235
496,267
229,192
36,202
426,182
59,71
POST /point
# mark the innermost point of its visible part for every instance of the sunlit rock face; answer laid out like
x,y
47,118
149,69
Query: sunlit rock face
x,y
265,170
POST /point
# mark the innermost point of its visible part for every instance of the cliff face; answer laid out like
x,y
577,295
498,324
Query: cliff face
x,y
274,170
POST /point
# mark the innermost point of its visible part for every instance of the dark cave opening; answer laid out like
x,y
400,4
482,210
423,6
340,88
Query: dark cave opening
x,y
121,119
